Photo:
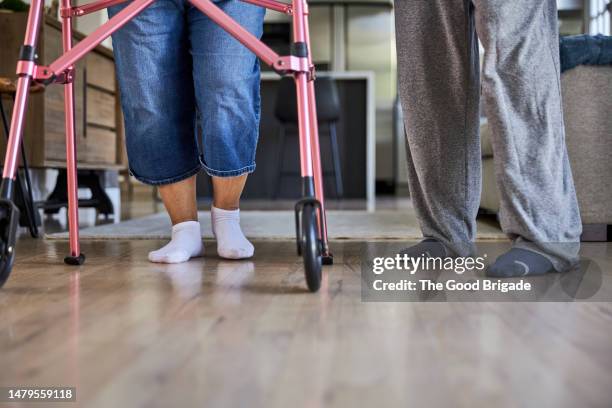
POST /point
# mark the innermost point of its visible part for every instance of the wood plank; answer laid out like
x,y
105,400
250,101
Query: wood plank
x,y
54,119
102,49
100,71
11,35
221,333
100,146
101,108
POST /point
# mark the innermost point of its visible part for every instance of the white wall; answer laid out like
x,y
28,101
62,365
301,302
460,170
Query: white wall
x,y
90,22
600,20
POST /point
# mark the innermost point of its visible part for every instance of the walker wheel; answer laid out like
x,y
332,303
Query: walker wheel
x,y
9,220
311,247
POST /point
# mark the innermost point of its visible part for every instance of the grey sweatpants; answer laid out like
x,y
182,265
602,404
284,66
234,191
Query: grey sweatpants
x,y
439,86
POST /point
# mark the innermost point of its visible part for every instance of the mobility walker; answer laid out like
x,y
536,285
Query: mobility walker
x,y
310,222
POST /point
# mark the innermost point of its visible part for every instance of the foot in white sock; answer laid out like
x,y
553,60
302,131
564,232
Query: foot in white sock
x,y
231,242
186,243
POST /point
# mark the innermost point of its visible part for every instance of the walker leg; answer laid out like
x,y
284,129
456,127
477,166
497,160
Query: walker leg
x,y
318,174
306,162
308,210
11,160
328,258
9,214
75,257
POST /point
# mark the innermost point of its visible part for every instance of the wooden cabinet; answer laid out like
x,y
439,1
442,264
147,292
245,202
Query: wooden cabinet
x,y
98,117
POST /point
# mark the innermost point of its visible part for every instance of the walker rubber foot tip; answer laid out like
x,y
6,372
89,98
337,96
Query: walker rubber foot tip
x,y
75,260
327,259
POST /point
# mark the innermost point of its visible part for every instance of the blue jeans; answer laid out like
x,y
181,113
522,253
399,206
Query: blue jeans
x,y
175,65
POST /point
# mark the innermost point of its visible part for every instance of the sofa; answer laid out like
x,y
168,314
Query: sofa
x,y
587,105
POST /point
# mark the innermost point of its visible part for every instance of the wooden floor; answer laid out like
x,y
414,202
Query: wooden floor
x,y
214,333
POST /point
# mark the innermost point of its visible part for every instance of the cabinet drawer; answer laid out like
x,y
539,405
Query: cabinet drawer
x,y
94,89
54,116
100,71
101,109
100,146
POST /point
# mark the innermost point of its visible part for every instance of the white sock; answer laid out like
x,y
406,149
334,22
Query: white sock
x,y
231,242
186,243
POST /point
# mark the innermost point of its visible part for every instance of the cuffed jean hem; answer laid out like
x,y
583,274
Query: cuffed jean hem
x,y
168,180
229,173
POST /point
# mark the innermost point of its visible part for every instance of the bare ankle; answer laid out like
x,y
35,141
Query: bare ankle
x,y
226,206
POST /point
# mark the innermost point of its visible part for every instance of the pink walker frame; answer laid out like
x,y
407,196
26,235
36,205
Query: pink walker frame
x,y
61,71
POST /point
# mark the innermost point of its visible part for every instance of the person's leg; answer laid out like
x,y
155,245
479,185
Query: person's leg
x,y
180,200
225,214
153,62
439,89
227,191
521,87
186,242
226,81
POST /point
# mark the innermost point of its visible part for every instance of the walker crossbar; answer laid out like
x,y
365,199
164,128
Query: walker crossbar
x,y
61,71
77,11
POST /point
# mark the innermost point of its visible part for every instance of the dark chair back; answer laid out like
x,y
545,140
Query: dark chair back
x,y
326,92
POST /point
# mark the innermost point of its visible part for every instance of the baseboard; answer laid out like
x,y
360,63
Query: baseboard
x,y
595,232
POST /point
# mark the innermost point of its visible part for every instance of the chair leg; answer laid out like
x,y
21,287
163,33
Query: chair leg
x,y
29,200
281,161
20,188
5,124
336,159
